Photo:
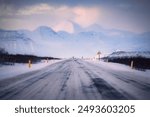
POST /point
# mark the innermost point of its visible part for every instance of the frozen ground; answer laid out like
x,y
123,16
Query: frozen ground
x,y
7,71
78,79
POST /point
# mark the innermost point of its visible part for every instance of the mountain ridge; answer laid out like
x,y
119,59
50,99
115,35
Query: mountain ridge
x,y
45,38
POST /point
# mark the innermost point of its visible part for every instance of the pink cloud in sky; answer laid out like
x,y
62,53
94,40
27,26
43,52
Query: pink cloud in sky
x,y
86,16
59,17
43,14
65,26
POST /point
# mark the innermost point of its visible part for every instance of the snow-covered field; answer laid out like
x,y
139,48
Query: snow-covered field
x,y
7,71
77,79
119,67
122,54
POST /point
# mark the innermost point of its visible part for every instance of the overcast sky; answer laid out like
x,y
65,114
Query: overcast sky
x,y
130,15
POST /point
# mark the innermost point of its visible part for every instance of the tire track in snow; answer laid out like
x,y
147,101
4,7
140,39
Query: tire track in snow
x,y
69,79
77,84
137,86
104,88
18,87
131,87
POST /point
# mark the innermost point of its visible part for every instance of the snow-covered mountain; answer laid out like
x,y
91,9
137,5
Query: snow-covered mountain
x,y
45,33
123,54
16,42
83,42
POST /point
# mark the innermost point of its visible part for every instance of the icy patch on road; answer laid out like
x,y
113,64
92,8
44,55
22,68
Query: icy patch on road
x,y
7,71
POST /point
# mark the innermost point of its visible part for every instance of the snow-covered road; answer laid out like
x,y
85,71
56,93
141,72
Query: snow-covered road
x,y
77,79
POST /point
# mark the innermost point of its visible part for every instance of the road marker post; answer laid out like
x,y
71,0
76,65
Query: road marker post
x,y
47,60
29,63
132,64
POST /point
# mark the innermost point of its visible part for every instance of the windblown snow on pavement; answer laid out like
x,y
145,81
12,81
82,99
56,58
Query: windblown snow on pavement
x,y
7,71
78,79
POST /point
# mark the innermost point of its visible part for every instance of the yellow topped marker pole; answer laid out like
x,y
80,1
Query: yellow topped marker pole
x,y
29,63
132,64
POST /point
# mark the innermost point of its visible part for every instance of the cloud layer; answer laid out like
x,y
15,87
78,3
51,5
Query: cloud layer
x,y
126,15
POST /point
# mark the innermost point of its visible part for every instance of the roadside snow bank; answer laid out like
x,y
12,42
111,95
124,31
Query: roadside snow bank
x,y
108,66
7,71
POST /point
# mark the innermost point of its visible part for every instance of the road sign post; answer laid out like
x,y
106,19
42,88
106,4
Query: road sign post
x,y
98,55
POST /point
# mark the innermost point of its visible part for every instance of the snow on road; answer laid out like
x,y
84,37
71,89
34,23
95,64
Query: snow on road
x,y
78,79
7,71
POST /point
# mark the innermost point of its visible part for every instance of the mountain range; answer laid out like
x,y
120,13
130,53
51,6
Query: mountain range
x,y
44,41
133,54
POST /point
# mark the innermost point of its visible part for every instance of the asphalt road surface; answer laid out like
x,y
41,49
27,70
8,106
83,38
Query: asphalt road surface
x,y
74,79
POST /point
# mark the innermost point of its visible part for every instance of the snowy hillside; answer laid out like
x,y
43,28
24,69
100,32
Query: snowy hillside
x,y
45,41
122,54
140,60
45,33
19,68
16,42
